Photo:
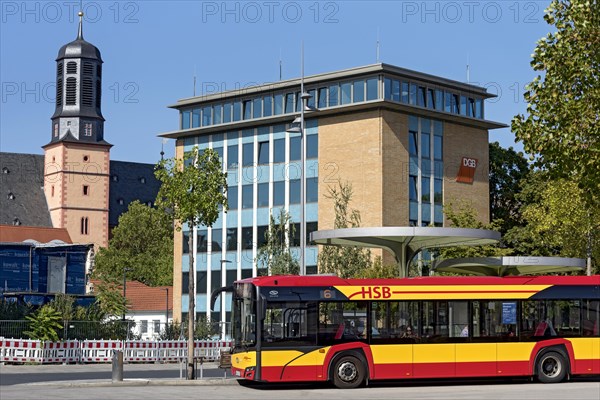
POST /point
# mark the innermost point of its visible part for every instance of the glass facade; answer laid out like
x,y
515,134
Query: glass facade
x,y
263,175
426,171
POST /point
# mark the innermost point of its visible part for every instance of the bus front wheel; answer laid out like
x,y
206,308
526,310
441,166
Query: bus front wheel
x,y
348,372
551,367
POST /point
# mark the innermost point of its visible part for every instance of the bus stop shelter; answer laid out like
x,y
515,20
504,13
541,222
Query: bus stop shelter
x,y
503,266
405,242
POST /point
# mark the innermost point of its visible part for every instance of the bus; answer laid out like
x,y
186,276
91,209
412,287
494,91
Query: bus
x,y
353,331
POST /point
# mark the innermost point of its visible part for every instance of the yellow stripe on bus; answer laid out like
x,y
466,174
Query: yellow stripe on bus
x,y
392,353
586,348
434,292
515,351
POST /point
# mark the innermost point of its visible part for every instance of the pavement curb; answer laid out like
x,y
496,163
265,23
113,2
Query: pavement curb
x,y
138,382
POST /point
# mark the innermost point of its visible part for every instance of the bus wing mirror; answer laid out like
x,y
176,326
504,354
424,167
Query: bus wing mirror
x,y
216,293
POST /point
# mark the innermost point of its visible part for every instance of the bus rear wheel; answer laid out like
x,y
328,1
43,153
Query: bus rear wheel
x,y
551,367
348,373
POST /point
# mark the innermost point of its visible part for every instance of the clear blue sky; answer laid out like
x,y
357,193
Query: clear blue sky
x,y
152,48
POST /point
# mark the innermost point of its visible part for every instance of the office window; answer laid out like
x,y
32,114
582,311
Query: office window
x,y
267,106
247,196
207,116
237,111
261,233
247,109
232,197
278,193
312,99
405,92
479,108
470,107
447,102
278,105
439,100
263,153
412,94
217,238
359,91
185,120
247,238
425,153
289,103
232,156
412,187
312,190
312,146
425,190
311,227
346,93
322,97
387,89
421,92
279,150
456,104
396,91
463,105
226,113
333,95
437,147
185,245
217,113
257,108
431,99
202,241
263,195
413,142
437,191
248,154
196,113
295,191
298,101
372,86
231,241
295,149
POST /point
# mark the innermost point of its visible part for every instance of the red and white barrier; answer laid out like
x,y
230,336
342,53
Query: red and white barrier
x,y
61,352
101,351
21,351
141,351
172,350
98,351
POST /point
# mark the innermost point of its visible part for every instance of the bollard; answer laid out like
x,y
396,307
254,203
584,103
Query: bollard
x,y
117,366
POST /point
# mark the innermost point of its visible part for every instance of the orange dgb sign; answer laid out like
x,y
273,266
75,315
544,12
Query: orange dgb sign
x,y
466,172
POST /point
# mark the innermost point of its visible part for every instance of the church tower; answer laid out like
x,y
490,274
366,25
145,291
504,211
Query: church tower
x,y
77,159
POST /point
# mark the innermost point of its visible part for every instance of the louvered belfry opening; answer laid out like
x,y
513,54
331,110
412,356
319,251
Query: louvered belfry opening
x,y
87,92
71,67
71,98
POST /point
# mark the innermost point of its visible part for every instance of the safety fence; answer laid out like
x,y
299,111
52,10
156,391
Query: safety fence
x,y
101,351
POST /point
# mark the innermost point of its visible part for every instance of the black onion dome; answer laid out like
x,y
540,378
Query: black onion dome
x,y
79,48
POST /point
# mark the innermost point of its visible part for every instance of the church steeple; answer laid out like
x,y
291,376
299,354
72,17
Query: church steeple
x,y
78,114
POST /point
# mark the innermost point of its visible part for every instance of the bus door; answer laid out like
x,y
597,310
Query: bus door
x,y
434,355
289,345
477,356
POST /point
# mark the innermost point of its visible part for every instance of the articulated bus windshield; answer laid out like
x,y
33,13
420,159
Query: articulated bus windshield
x,y
244,315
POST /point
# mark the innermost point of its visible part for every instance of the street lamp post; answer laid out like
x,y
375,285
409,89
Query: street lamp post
x,y
166,309
223,284
301,129
125,289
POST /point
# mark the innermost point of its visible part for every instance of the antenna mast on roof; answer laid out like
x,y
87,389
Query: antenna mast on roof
x,y
468,71
377,55
280,66
194,81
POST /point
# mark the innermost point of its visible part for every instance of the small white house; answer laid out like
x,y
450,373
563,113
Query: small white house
x,y
150,307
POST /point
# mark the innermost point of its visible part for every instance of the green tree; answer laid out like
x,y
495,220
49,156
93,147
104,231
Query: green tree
x,y
346,261
463,215
562,128
275,256
141,245
193,189
109,297
508,169
44,324
558,221
379,270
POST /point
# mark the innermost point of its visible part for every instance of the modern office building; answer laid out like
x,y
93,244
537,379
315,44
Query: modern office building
x,y
408,142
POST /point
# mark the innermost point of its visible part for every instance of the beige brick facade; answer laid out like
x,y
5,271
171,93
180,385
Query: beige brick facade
x,y
463,141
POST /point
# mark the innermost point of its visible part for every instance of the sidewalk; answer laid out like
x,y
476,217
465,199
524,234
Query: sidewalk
x,y
99,375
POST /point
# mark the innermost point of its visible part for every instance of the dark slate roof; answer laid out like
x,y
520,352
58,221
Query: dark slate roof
x,y
24,179
130,181
21,190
